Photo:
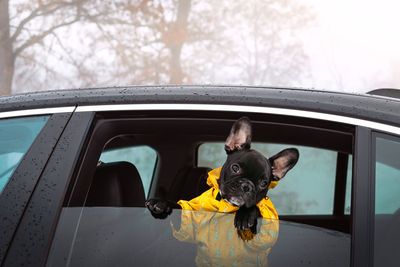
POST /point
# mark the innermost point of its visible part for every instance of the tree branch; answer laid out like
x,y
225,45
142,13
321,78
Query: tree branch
x,y
39,12
37,38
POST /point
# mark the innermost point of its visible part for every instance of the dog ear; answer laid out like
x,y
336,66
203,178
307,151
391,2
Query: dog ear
x,y
282,162
240,136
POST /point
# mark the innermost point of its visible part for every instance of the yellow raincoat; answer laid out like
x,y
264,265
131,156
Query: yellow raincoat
x,y
207,201
218,243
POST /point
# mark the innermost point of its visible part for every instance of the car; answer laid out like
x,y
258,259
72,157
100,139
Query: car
x,y
77,166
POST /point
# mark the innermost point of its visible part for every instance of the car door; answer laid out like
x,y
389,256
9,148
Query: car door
x,y
34,236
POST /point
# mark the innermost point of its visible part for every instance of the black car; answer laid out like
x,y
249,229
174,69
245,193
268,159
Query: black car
x,y
76,167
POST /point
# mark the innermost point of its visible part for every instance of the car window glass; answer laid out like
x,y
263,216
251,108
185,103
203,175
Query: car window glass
x,y
347,203
387,176
16,136
109,236
387,202
143,157
307,189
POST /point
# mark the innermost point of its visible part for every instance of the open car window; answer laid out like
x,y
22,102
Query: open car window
x,y
104,219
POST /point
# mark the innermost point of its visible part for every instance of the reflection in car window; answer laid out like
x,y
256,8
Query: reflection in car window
x,y
106,236
387,202
307,189
218,242
16,136
143,157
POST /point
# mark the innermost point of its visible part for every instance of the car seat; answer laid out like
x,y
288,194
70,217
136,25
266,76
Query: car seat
x,y
189,183
116,184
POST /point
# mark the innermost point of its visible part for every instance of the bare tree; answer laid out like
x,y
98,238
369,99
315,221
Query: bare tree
x,y
259,43
7,58
150,42
247,42
175,37
30,24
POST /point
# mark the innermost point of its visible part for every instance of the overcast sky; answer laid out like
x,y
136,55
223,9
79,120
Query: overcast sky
x,y
355,46
350,46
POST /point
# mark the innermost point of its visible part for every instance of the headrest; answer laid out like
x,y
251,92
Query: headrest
x,y
116,184
195,182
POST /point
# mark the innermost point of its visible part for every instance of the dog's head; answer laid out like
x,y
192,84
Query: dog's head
x,y
247,174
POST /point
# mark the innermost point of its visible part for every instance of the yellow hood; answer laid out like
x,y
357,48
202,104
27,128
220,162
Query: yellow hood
x,y
207,201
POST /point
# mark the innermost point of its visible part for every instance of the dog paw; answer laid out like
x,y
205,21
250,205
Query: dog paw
x,y
246,235
246,219
160,209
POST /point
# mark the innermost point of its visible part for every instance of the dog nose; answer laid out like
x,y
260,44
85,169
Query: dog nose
x,y
245,188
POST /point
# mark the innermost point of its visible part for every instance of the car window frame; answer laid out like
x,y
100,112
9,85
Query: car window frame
x,y
363,199
33,237
90,156
23,182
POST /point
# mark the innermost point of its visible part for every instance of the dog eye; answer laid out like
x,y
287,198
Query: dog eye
x,y
235,168
264,183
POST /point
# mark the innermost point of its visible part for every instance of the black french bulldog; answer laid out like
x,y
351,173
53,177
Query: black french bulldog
x,y
245,177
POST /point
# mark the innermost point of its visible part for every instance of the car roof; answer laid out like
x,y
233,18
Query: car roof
x,y
362,106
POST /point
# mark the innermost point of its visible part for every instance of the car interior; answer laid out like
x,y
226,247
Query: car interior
x,y
176,137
